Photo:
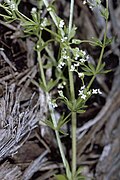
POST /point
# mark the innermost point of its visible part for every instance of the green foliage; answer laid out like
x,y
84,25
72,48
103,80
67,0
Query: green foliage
x,y
60,177
105,13
96,42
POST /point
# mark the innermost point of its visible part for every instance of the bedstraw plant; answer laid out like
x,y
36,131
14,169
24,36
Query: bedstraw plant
x,y
70,59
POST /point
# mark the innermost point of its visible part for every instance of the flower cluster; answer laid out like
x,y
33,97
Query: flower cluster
x,y
44,23
61,65
12,4
82,92
61,85
64,57
52,102
96,91
80,55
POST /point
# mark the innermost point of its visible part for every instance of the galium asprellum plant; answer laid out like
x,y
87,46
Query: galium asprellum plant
x,y
70,59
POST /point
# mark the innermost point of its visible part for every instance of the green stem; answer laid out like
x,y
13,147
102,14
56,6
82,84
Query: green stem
x,y
41,68
51,32
52,113
51,13
74,144
71,16
72,92
56,131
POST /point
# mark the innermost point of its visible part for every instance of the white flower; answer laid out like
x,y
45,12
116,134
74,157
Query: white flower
x,y
49,9
38,46
64,83
65,57
82,60
60,86
60,65
33,10
83,87
84,2
77,56
83,52
60,92
77,49
63,39
72,68
94,91
53,104
83,96
87,57
99,91
77,64
61,24
80,92
81,75
13,6
44,23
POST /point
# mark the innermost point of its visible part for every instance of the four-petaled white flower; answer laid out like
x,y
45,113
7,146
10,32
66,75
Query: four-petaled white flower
x,y
94,91
80,92
83,96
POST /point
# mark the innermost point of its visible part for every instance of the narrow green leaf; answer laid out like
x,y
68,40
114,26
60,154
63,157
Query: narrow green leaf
x,y
60,177
51,84
87,69
88,73
91,67
105,13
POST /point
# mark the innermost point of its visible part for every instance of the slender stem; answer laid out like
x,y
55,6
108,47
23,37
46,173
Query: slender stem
x,y
51,13
74,143
71,16
41,68
104,40
56,131
71,81
52,113
72,92
51,32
